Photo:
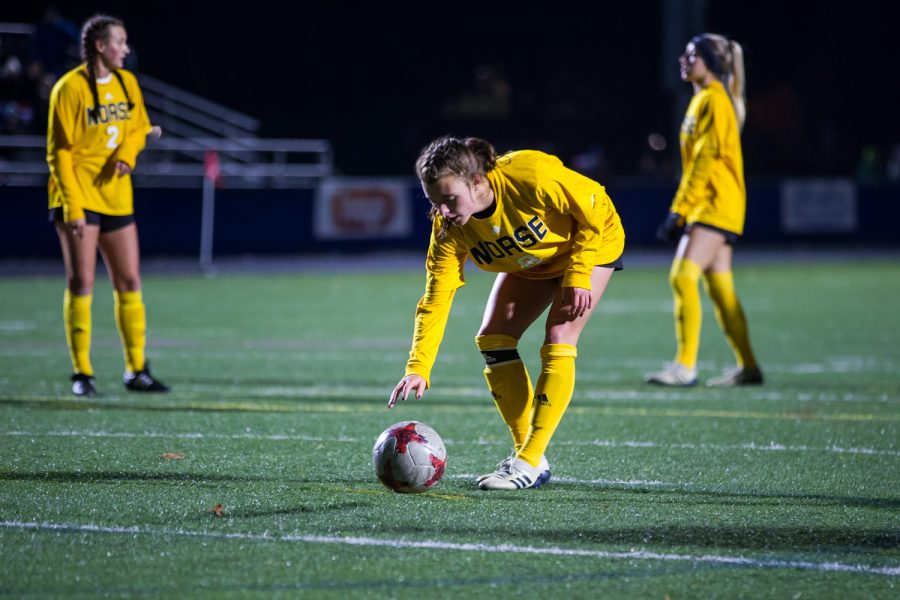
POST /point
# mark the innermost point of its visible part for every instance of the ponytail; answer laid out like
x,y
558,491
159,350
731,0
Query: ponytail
x,y
737,81
726,59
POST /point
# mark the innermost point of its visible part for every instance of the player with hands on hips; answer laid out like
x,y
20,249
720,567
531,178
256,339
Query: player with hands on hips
x,y
554,239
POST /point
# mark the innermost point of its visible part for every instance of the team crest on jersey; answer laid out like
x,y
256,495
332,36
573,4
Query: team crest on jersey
x,y
689,126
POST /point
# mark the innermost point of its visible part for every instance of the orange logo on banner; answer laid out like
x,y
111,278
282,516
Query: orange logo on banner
x,y
363,210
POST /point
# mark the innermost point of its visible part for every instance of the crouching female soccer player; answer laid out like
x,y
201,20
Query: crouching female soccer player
x,y
554,239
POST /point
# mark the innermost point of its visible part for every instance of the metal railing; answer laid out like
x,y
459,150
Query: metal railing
x,y
186,163
173,106
266,163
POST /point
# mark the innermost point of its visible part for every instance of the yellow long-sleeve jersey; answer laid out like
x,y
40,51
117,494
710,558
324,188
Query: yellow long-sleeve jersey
x,y
83,146
712,188
548,221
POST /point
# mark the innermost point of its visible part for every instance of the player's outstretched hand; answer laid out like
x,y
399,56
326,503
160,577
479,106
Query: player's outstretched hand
x,y
410,383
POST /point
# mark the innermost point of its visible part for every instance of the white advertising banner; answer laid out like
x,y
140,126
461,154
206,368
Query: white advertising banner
x,y
354,209
818,206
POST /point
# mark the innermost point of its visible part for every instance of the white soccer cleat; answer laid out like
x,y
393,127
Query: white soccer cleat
x,y
673,375
503,466
737,376
517,475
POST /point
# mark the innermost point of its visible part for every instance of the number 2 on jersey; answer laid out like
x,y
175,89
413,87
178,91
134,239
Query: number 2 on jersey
x,y
113,132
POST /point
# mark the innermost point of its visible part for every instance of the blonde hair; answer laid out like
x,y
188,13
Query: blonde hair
x,y
731,57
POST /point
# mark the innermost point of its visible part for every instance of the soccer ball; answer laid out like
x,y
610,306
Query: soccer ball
x,y
409,457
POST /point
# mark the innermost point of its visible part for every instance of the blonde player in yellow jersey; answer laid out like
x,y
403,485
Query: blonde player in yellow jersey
x,y
707,215
554,239
97,126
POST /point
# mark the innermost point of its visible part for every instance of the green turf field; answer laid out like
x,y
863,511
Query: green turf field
x,y
789,490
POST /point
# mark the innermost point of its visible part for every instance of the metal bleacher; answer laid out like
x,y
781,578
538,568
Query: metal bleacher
x,y
197,133
193,127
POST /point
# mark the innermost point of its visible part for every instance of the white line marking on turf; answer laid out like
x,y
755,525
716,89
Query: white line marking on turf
x,y
277,437
17,325
740,561
623,482
769,447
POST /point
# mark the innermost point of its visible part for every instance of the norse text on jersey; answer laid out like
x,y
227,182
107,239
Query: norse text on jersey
x,y
524,236
108,112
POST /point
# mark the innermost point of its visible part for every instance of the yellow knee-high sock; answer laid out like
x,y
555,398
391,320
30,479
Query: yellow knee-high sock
x,y
551,399
720,287
684,278
131,320
508,381
77,319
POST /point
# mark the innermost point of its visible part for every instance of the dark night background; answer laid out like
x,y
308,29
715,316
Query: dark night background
x,y
380,81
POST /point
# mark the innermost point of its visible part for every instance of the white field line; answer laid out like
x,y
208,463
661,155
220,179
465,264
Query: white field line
x,y
639,483
279,437
737,561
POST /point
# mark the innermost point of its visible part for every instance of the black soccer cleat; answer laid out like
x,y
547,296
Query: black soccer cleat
x,y
143,381
83,385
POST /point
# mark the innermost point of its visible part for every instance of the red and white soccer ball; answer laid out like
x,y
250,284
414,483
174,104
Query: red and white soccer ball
x,y
409,457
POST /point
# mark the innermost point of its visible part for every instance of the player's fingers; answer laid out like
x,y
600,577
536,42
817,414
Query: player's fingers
x,y
397,394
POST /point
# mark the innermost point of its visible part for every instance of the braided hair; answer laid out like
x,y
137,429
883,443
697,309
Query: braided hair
x,y
453,156
97,28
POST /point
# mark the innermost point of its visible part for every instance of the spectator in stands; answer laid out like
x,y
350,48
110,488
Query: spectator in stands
x,y
707,214
54,50
554,239
16,108
98,126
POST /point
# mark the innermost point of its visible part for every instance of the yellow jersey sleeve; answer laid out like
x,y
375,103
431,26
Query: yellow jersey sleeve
x,y
700,148
65,109
588,205
444,275
136,137
712,189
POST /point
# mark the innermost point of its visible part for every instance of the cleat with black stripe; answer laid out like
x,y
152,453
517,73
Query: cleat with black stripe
x,y
517,475
503,466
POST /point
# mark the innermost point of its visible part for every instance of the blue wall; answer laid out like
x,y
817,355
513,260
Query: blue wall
x,y
280,221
